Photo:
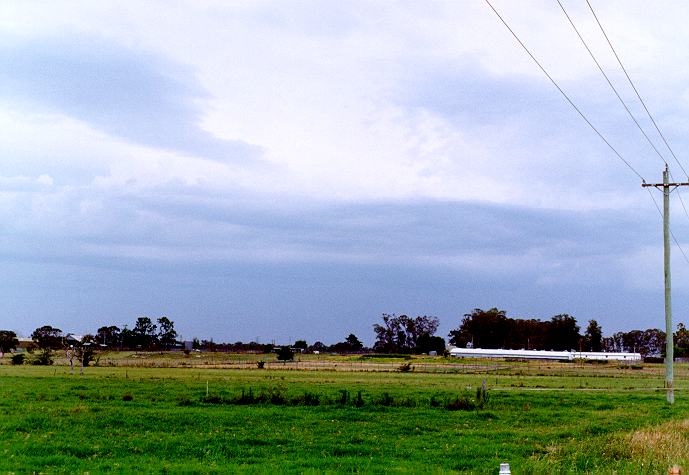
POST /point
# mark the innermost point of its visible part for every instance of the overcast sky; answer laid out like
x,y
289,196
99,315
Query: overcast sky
x,y
278,170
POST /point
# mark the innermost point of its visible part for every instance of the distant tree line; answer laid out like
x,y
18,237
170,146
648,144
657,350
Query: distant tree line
x,y
403,334
494,329
145,335
48,339
480,328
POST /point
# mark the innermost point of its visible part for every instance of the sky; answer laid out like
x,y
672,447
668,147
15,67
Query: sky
x,y
281,170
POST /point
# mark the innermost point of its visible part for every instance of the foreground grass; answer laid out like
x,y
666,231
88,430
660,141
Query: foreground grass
x,y
194,420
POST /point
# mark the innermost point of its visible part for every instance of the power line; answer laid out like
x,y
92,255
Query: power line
x,y
686,258
564,94
600,68
631,83
638,95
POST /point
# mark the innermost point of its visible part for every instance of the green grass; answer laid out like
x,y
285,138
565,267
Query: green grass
x,y
539,418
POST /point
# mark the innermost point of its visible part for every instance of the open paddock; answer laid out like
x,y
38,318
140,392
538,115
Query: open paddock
x,y
313,416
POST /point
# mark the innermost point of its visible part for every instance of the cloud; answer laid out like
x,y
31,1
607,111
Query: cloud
x,y
126,93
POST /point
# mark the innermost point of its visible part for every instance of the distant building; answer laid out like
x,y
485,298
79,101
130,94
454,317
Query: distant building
x,y
543,355
24,343
72,339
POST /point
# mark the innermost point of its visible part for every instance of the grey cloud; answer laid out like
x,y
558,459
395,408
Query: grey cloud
x,y
382,231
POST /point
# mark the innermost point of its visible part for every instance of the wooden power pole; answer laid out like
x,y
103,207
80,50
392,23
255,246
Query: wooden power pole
x,y
666,187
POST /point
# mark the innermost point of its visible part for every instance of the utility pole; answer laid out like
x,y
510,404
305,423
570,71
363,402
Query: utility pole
x,y
667,188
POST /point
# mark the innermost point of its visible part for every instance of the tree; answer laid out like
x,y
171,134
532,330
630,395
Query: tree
x,y
8,341
108,335
681,341
428,343
593,338
650,342
127,338
167,336
353,342
563,333
47,339
530,334
285,354
318,347
144,333
401,334
301,345
349,345
483,329
388,334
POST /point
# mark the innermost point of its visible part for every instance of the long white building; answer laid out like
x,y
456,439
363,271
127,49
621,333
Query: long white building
x,y
543,355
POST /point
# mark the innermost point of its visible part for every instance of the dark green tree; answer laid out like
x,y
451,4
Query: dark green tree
x,y
563,333
349,345
353,342
401,334
681,341
167,336
8,341
428,343
127,338
301,345
318,346
144,333
108,335
483,329
593,338
650,342
46,339
285,354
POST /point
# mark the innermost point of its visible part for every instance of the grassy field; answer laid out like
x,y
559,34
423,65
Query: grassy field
x,y
204,417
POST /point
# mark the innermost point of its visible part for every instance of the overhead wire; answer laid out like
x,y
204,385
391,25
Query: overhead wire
x,y
590,124
602,71
638,95
631,83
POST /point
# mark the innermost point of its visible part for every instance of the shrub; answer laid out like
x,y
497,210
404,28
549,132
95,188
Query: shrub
x,y
44,358
344,397
18,359
208,399
285,354
87,356
308,399
359,401
405,367
460,404
246,398
184,401
386,400
278,399
631,366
